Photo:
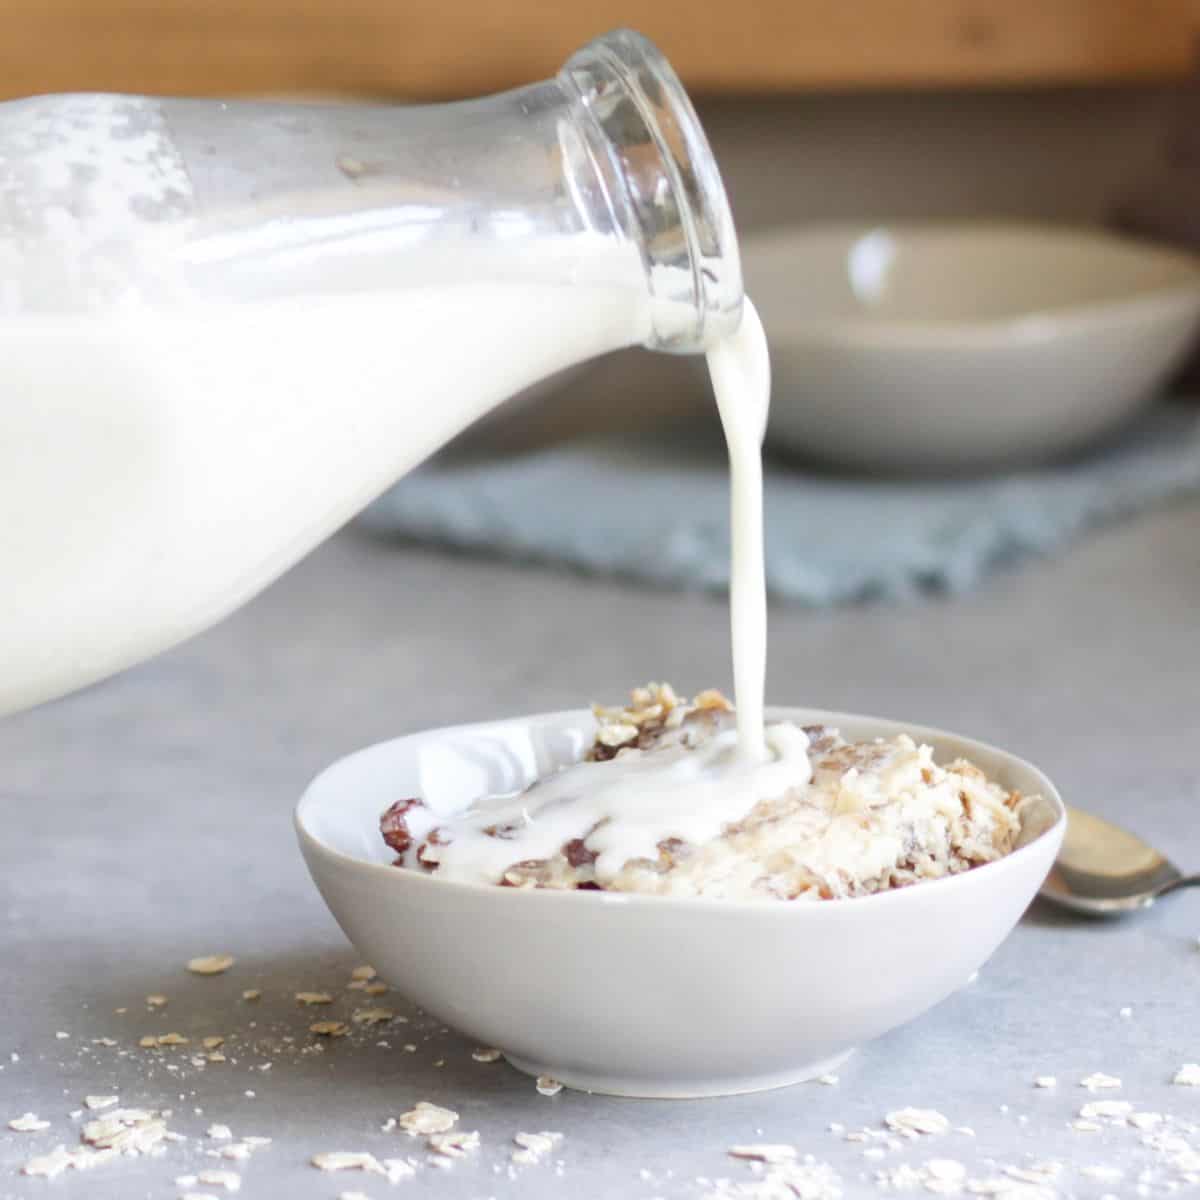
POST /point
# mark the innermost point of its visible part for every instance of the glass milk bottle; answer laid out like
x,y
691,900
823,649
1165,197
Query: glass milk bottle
x,y
226,327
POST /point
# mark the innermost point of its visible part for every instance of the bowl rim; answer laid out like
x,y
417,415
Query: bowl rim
x,y
1037,325
632,900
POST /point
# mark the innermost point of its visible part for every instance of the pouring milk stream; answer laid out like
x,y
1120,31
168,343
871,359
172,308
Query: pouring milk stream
x,y
225,328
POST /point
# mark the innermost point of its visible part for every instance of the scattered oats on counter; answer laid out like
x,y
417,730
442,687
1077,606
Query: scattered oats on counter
x,y
1106,1109
364,973
372,1016
805,1180
220,1133
1098,1081
917,1121
376,988
453,1144
763,1153
130,1131
1045,1081
172,1039
156,1001
28,1123
533,1147
426,1118
231,1181
347,1160
330,1029
310,998
487,1055
61,1159
547,1086
98,1102
1188,1075
210,964
252,994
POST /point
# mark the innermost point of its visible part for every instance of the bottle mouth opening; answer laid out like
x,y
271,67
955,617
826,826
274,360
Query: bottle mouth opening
x,y
668,189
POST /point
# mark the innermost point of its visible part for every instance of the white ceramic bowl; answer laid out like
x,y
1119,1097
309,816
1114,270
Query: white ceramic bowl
x,y
951,347
641,995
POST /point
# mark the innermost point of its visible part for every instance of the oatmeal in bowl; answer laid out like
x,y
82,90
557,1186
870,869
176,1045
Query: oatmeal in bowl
x,y
749,938
659,806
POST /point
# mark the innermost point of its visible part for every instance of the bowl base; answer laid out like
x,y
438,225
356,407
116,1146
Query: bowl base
x,y
665,1089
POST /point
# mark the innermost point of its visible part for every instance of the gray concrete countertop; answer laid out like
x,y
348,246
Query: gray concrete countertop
x,y
148,821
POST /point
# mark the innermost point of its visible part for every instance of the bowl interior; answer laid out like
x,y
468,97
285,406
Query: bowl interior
x,y
946,273
449,768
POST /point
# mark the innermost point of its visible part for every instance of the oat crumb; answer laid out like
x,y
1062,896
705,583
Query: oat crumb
x,y
329,1028
231,1181
98,1102
210,964
763,1153
487,1055
533,1147
28,1123
917,1121
1098,1081
252,994
372,1016
548,1086
426,1118
453,1144
364,973
1045,1081
220,1132
310,998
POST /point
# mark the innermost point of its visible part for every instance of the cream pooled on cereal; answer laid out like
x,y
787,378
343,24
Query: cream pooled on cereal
x,y
662,804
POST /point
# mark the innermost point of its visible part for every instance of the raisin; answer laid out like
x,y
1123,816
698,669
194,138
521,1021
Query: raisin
x,y
577,853
394,826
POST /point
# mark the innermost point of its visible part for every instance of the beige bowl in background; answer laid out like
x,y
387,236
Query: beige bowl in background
x,y
949,347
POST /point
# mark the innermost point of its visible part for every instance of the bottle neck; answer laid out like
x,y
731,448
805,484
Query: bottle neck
x,y
661,183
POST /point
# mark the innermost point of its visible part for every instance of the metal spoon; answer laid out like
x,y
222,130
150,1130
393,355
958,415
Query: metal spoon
x,y
1107,871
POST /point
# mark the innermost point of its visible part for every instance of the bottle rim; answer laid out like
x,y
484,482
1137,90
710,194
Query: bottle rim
x,y
672,195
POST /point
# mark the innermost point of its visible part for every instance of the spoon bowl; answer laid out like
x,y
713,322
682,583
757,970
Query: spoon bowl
x,y
1106,871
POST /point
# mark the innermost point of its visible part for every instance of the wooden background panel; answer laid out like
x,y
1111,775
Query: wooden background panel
x,y
439,48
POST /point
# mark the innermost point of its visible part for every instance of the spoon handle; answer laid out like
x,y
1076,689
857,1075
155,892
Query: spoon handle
x,y
1183,882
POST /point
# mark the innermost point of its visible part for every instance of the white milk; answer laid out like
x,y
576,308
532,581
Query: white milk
x,y
625,807
159,468
740,368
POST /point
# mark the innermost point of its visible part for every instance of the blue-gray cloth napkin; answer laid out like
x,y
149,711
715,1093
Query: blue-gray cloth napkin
x,y
655,508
